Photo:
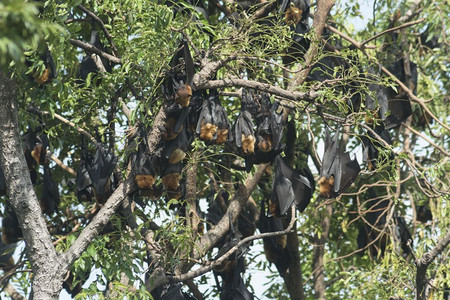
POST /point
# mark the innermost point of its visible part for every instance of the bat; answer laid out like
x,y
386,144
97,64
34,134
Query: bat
x,y
233,286
2,183
68,283
338,171
402,236
171,179
423,213
83,183
35,148
171,292
289,187
213,124
11,232
6,256
50,195
371,229
100,172
88,65
196,105
296,14
175,151
141,163
49,71
275,247
371,145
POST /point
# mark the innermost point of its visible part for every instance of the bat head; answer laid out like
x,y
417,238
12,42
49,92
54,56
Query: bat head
x,y
248,144
293,15
326,186
208,131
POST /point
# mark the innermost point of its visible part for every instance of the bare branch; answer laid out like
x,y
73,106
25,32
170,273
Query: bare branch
x,y
91,48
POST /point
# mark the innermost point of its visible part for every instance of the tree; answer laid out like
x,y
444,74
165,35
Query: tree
x,y
118,156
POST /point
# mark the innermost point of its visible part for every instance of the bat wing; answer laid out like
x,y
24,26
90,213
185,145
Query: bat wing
x,y
50,194
181,119
301,185
189,64
400,110
330,154
347,173
282,188
205,116
283,6
276,126
101,170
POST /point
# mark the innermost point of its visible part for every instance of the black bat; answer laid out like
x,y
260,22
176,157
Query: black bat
x,y
49,72
233,286
275,248
375,221
6,256
50,194
296,15
171,175
213,124
141,162
175,151
289,187
11,232
402,236
171,292
338,170
35,147
83,183
371,146
423,213
88,65
100,173
2,183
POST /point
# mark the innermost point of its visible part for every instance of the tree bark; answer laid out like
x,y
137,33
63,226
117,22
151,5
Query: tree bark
x,y
45,262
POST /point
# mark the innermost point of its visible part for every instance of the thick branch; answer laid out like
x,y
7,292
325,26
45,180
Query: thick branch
x,y
44,260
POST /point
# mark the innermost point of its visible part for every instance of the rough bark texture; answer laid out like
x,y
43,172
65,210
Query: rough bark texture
x,y
45,262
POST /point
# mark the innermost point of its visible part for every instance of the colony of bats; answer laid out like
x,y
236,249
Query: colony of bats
x,y
256,135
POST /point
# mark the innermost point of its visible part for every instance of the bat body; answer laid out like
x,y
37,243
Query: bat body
x,y
100,172
35,148
50,195
2,183
11,232
142,166
233,287
371,145
88,64
83,183
289,187
275,248
213,124
296,14
171,292
49,72
6,256
338,170
244,128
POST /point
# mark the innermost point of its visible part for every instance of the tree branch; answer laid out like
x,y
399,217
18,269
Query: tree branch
x,y
93,49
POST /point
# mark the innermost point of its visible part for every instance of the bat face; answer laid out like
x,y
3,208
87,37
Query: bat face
x,y
142,166
183,95
100,172
50,195
338,165
289,186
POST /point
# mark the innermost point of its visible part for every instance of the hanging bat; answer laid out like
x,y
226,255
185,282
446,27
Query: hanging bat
x,y
213,124
289,187
49,72
6,256
371,145
375,222
423,213
402,236
338,170
88,65
141,163
296,14
11,232
50,194
35,148
100,172
2,183
233,286
171,175
175,151
275,247
83,183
